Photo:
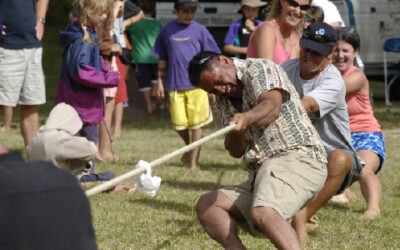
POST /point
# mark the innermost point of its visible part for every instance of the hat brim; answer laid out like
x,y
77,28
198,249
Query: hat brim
x,y
321,48
260,4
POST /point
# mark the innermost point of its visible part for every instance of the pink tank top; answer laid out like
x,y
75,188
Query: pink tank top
x,y
361,115
280,55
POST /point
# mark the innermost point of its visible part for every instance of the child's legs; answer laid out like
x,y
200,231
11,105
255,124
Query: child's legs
x,y
143,79
197,134
90,132
199,115
370,184
147,99
371,148
8,114
104,137
190,110
120,97
118,116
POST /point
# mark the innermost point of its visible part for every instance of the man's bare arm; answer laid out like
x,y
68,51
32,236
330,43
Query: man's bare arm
x,y
265,112
310,104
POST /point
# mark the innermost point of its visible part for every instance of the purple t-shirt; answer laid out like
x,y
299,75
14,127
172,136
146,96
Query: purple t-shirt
x,y
233,33
178,43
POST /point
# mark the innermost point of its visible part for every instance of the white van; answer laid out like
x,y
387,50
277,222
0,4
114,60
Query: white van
x,y
375,21
217,16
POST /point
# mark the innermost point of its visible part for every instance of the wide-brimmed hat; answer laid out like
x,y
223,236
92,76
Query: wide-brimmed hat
x,y
319,37
251,3
185,4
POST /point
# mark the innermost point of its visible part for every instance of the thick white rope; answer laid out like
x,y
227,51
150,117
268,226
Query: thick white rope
x,y
109,184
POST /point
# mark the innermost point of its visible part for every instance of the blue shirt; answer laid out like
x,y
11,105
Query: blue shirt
x,y
19,17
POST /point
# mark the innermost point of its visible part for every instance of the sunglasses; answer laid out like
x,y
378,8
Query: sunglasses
x,y
317,38
295,4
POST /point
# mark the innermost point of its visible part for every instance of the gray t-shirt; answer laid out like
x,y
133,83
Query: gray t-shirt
x,y
329,91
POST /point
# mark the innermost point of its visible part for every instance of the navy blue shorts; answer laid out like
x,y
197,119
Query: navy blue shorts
x,y
146,75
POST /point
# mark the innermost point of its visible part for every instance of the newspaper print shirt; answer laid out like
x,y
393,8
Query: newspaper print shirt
x,y
291,131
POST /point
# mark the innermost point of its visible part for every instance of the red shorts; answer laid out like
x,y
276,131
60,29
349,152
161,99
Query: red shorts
x,y
121,95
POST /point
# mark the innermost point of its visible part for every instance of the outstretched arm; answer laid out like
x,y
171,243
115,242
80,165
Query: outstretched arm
x,y
356,81
234,50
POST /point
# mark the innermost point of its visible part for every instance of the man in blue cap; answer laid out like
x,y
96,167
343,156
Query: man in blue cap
x,y
323,92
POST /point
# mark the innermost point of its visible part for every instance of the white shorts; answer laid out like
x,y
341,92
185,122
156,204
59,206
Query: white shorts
x,y
110,92
21,77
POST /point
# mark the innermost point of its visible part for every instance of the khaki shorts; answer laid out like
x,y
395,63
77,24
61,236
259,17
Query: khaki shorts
x,y
22,78
355,172
286,183
189,109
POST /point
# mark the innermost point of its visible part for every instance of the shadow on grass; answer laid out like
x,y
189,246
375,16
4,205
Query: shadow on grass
x,y
337,206
190,185
163,204
187,228
396,192
210,166
163,124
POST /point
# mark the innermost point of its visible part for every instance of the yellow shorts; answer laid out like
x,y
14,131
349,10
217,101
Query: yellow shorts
x,y
189,109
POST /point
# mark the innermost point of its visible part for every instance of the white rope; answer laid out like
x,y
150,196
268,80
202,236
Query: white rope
x,y
109,184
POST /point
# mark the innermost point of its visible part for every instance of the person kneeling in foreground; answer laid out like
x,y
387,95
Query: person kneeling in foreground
x,y
42,206
281,150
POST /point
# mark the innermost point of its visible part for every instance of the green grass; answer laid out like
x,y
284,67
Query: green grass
x,y
168,220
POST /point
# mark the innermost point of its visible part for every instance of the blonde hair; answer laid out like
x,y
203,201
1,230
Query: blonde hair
x,y
84,7
275,10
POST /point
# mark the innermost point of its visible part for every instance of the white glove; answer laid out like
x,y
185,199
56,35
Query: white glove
x,y
145,183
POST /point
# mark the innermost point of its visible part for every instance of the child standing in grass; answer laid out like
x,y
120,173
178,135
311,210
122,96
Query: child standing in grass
x,y
84,74
239,32
142,35
175,46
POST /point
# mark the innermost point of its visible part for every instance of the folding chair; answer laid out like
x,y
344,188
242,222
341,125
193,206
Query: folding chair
x,y
390,45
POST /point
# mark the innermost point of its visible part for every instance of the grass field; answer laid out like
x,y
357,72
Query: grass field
x,y
168,220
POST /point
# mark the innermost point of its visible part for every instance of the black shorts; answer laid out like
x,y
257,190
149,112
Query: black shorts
x,y
146,75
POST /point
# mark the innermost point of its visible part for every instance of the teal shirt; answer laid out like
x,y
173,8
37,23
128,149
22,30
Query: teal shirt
x,y
142,36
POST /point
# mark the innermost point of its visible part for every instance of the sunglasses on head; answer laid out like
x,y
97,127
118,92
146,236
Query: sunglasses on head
x,y
317,37
295,4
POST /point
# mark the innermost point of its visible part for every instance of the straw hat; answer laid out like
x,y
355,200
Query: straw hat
x,y
251,3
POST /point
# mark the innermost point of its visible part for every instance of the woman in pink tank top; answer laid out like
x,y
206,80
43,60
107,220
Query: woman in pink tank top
x,y
278,38
365,130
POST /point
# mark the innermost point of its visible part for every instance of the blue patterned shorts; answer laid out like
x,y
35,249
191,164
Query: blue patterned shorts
x,y
370,141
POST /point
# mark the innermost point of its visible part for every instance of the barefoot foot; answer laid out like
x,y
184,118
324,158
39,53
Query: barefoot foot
x,y
186,159
371,214
340,198
350,194
194,167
